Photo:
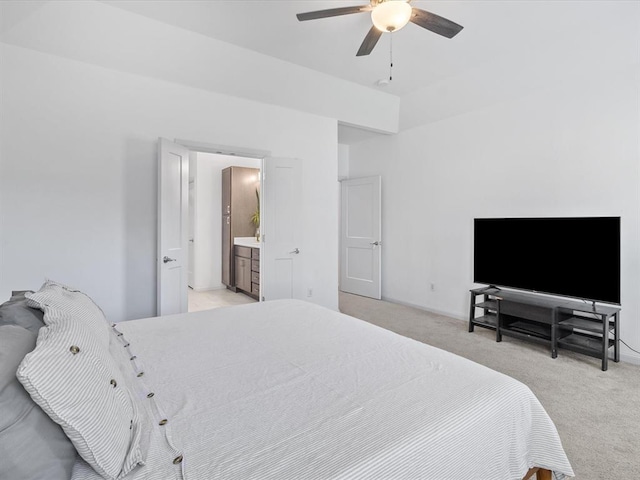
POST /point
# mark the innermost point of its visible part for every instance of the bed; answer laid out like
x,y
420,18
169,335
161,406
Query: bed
x,y
290,390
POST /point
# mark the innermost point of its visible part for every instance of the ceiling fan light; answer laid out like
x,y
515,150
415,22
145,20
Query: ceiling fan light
x,y
391,16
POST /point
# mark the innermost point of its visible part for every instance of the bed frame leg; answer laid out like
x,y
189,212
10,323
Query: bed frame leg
x,y
538,474
544,474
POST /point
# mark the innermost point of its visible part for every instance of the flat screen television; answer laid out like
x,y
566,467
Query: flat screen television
x,y
574,257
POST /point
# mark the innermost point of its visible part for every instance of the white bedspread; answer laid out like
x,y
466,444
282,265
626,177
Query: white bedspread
x,y
289,390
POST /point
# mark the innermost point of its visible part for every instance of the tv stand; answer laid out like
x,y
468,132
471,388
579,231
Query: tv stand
x,y
589,329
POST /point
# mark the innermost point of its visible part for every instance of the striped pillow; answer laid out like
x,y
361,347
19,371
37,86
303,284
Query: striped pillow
x,y
72,303
77,382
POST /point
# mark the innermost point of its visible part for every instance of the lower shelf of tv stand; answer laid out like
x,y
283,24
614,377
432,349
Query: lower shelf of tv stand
x,y
529,330
585,344
489,320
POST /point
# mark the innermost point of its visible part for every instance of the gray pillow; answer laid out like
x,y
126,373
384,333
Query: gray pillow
x,y
33,446
16,312
85,392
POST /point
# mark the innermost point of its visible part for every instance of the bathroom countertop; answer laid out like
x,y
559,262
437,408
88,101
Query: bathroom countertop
x,y
246,242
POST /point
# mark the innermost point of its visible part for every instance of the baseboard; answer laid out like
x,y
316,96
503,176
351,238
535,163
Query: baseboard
x,y
630,358
207,289
456,316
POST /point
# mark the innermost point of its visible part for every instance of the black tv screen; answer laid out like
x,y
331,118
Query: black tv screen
x,y
576,257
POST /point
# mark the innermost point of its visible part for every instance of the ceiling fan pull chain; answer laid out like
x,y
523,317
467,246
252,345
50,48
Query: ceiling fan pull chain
x,y
390,56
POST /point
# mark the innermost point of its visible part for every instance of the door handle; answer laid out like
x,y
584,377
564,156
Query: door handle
x,y
376,243
167,259
296,251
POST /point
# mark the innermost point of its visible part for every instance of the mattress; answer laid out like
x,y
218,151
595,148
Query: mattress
x,y
290,390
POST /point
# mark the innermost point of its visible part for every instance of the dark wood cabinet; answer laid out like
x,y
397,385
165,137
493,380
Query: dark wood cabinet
x,y
226,191
247,266
255,272
243,268
227,253
239,202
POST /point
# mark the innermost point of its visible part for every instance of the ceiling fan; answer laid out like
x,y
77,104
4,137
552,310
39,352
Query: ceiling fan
x,y
389,16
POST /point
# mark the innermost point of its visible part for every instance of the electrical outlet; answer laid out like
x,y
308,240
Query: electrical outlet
x,y
309,292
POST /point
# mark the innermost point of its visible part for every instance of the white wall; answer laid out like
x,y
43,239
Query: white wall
x,y
208,218
343,174
78,174
343,161
570,151
101,34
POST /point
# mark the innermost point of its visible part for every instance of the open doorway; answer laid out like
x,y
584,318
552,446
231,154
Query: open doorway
x,y
212,263
277,270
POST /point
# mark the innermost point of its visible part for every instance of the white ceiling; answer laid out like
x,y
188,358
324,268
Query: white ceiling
x,y
507,49
508,31
327,45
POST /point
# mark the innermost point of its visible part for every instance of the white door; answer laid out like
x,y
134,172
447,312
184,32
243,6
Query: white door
x,y
361,237
282,255
173,205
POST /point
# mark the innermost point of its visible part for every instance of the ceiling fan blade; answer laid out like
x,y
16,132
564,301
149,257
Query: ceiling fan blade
x,y
435,23
369,42
332,12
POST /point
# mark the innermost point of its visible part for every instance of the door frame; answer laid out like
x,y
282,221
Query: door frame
x,y
223,149
205,147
